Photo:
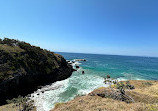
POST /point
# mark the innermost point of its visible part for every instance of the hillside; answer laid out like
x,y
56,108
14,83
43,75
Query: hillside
x,y
24,67
145,97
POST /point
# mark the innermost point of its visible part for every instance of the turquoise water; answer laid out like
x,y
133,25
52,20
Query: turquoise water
x,y
127,67
96,67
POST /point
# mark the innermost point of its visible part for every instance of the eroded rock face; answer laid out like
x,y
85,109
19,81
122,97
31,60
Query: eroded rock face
x,y
111,93
25,67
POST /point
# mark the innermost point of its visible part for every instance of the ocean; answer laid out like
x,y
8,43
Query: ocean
x,y
96,68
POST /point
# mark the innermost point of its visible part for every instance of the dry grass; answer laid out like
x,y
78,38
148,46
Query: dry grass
x,y
10,48
95,103
145,96
10,107
145,93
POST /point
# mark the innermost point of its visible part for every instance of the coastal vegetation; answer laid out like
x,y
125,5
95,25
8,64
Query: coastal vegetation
x,y
21,58
24,67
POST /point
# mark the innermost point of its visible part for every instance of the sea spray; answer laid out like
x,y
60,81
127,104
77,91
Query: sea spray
x,y
63,91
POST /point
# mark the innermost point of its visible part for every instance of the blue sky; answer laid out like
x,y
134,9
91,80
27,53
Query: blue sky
x,y
121,27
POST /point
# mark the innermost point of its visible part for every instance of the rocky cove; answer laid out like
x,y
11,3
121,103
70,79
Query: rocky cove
x,y
78,84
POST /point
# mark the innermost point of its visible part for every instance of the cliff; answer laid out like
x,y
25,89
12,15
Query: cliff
x,y
145,97
24,67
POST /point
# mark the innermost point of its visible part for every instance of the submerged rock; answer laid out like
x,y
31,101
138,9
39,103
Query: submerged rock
x,y
74,70
77,67
108,76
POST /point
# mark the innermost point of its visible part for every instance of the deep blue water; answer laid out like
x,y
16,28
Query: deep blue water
x,y
127,67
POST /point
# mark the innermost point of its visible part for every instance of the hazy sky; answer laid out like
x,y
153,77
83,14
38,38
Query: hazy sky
x,y
124,27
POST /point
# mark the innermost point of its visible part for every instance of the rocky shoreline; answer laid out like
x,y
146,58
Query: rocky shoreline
x,y
75,67
145,99
144,94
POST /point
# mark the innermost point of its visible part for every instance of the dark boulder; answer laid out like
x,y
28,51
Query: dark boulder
x,y
108,76
77,67
131,87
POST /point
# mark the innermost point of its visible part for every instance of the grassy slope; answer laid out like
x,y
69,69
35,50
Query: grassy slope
x,y
10,48
15,58
145,95
10,107
145,92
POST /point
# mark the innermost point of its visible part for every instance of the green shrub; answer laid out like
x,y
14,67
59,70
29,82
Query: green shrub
x,y
27,59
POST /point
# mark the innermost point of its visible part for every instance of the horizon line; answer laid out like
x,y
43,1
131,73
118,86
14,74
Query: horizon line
x,y
108,54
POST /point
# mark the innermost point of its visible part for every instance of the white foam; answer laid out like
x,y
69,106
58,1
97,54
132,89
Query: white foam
x,y
42,101
129,76
76,63
122,79
63,91
126,79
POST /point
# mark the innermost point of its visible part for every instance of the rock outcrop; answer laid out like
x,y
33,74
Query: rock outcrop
x,y
104,99
111,93
24,67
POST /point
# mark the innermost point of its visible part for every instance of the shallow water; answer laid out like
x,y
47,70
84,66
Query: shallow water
x,y
96,67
